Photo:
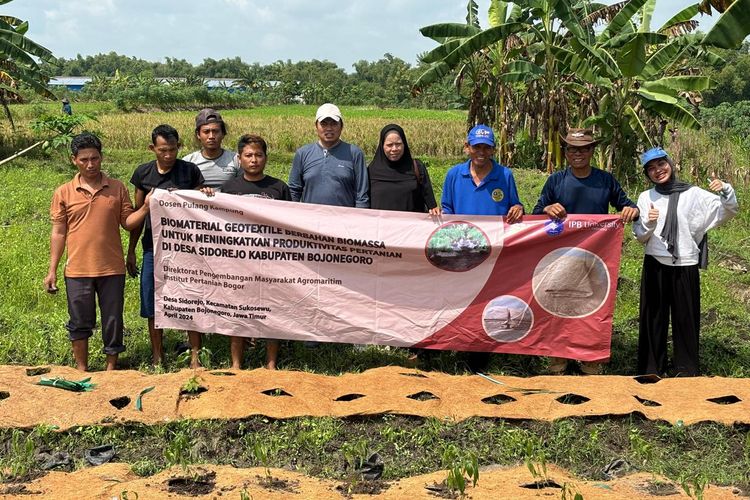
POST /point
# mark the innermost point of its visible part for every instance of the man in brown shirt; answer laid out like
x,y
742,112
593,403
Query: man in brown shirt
x,y
87,213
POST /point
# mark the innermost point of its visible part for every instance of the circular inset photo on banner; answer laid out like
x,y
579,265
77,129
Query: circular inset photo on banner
x,y
457,247
507,318
571,282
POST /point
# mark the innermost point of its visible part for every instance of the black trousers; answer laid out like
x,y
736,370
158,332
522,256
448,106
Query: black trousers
x,y
665,291
82,293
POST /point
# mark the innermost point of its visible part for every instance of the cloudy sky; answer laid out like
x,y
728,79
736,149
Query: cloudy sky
x,y
256,31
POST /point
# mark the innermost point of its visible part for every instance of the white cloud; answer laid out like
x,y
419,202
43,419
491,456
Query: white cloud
x,y
274,42
242,4
51,14
265,14
98,8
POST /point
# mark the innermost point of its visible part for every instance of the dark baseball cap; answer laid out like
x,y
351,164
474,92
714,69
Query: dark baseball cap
x,y
206,116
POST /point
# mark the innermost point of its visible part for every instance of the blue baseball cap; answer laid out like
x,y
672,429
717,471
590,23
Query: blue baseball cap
x,y
652,154
481,134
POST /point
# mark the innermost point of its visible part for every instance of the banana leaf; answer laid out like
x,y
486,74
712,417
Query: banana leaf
x,y
69,385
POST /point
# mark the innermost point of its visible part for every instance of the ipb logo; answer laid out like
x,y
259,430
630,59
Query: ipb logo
x,y
553,227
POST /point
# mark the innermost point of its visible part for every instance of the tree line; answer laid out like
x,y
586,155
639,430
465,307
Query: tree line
x,y
385,82
388,79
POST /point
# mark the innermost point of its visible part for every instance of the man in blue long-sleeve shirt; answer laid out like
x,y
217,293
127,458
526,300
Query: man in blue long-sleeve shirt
x,y
582,189
330,171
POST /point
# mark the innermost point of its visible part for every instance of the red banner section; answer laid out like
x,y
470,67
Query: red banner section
x,y
273,269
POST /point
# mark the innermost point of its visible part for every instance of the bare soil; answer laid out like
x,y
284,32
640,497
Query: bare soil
x,y
111,480
274,483
200,482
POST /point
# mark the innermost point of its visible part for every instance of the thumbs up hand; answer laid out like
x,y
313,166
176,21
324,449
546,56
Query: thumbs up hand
x,y
653,213
715,183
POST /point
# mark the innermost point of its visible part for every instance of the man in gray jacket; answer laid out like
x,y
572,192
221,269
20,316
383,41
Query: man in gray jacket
x,y
330,171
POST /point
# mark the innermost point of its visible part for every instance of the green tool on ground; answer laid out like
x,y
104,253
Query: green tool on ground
x,y
139,399
69,385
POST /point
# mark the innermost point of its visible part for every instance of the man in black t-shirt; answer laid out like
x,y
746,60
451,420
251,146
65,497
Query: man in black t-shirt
x,y
268,187
165,172
253,154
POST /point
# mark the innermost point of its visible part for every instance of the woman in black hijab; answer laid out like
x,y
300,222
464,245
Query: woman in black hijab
x,y
397,181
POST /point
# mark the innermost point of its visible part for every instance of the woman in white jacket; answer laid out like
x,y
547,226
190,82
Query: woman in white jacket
x,y
675,217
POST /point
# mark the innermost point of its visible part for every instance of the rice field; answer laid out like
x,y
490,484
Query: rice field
x,y
285,128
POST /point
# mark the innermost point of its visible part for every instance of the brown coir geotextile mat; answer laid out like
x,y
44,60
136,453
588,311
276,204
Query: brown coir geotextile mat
x,y
395,390
116,481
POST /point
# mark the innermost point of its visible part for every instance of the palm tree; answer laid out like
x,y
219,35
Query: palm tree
x,y
252,79
17,63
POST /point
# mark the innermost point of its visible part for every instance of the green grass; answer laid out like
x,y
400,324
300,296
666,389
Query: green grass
x,y
349,112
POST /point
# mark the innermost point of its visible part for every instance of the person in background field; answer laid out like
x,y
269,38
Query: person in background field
x,y
397,180
217,164
329,171
673,231
582,189
165,172
253,154
481,186
87,213
66,109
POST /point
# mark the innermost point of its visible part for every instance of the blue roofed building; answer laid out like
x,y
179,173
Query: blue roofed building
x,y
74,83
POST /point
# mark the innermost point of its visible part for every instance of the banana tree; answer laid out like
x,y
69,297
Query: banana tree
x,y
633,78
17,63
477,57
636,79
732,27
551,26
522,79
623,80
